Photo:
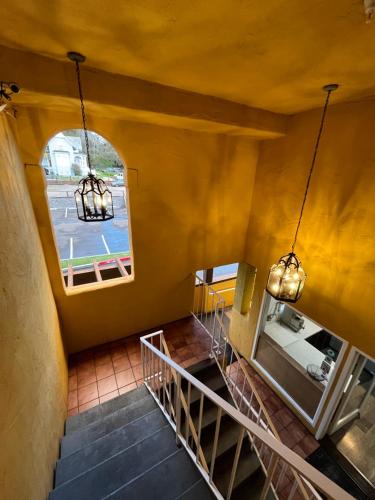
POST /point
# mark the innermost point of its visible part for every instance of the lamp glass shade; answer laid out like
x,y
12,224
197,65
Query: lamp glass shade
x,y
286,279
93,200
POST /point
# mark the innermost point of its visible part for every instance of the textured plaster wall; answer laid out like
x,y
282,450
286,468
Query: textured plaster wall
x,y
33,372
336,240
190,196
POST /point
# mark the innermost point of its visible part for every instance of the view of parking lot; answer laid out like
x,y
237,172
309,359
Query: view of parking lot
x,y
80,242
65,162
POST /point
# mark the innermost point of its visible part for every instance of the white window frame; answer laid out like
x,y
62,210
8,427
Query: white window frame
x,y
310,420
338,391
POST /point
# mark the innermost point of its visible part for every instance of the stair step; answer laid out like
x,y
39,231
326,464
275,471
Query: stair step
x,y
229,432
199,491
168,480
211,377
248,464
77,422
82,437
105,447
120,469
209,414
251,488
202,365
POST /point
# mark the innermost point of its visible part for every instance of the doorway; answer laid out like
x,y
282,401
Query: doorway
x,y
352,429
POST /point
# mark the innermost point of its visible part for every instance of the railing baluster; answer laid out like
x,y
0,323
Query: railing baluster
x,y
163,382
216,439
293,489
235,462
170,392
281,475
195,296
250,401
143,360
187,414
158,379
152,381
269,474
201,404
147,355
238,369
203,292
242,392
178,408
206,306
224,356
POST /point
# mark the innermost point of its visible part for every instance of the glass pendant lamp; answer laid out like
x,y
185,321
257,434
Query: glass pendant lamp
x,y
286,279
93,198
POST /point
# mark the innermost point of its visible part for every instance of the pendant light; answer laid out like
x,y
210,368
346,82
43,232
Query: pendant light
x,y
287,278
93,198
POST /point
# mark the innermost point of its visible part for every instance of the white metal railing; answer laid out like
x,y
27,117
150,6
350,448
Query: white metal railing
x,y
172,388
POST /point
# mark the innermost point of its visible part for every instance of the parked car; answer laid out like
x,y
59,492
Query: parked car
x,y
118,181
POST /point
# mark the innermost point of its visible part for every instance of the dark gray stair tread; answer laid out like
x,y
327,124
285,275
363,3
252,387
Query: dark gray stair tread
x,y
166,481
118,470
107,446
209,410
199,367
82,437
252,487
229,432
248,463
212,378
199,491
98,412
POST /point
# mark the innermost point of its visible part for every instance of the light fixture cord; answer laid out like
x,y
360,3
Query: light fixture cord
x,y
312,165
83,115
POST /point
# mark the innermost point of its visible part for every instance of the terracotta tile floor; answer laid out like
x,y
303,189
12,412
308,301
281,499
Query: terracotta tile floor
x,y
104,372
291,431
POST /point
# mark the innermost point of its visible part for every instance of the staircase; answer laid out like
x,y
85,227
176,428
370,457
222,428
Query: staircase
x,y
181,436
125,448
249,480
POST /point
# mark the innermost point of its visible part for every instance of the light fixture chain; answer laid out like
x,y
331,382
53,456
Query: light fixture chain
x,y
83,115
312,164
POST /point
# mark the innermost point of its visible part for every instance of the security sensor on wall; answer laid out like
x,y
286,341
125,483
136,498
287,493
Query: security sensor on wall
x,y
7,89
369,6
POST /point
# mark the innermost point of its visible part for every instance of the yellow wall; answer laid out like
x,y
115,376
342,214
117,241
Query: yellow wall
x,y
204,301
33,373
336,240
190,196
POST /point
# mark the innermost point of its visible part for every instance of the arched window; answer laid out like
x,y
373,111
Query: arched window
x,y
89,252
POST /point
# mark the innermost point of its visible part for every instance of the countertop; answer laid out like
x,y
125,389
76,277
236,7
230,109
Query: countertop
x,y
295,344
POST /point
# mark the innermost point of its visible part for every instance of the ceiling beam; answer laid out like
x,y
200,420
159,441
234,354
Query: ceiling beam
x,y
47,82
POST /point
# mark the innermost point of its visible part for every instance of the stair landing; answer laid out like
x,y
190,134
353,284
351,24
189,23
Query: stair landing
x,y
104,372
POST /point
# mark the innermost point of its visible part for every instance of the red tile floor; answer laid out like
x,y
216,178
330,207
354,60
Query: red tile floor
x,y
291,431
104,372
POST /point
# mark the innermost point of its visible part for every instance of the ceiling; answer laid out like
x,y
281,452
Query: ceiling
x,y
271,54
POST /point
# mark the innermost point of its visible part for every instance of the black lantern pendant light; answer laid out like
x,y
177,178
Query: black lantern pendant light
x,y
287,278
93,198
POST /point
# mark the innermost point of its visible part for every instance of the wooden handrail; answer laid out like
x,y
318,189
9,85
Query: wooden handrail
x,y
307,471
262,407
185,407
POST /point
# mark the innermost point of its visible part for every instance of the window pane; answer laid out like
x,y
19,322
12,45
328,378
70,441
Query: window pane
x,y
226,270
79,243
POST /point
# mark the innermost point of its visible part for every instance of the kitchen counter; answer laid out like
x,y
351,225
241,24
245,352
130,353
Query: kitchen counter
x,y
295,343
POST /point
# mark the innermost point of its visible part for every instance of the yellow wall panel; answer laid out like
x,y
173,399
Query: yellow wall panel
x,y
33,371
190,196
